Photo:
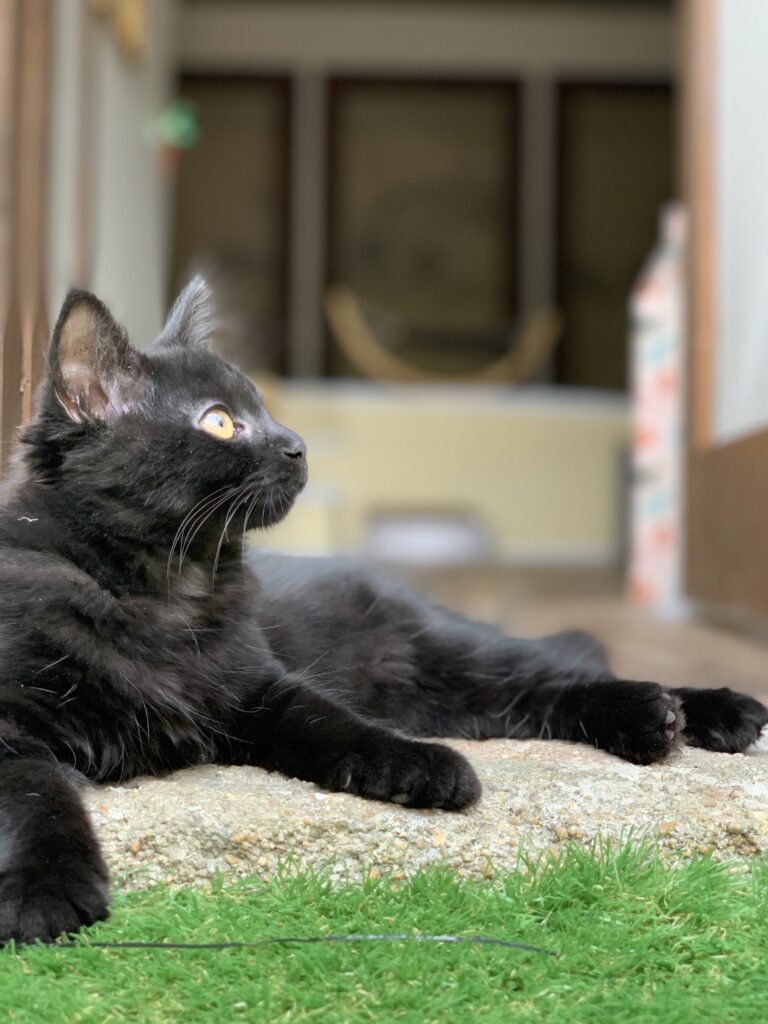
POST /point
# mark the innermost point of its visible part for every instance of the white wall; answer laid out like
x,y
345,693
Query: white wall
x,y
127,202
741,212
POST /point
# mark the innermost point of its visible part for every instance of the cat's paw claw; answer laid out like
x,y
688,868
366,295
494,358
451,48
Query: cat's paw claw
x,y
722,720
412,774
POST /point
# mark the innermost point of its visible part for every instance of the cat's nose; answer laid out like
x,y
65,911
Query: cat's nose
x,y
295,449
290,445
285,442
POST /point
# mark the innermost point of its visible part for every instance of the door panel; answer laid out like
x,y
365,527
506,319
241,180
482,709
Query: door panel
x,y
231,218
727,556
422,223
616,169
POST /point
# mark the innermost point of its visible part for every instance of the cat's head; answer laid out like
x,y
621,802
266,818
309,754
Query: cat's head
x,y
161,434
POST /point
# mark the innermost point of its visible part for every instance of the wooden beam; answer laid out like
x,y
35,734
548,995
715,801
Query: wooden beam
x,y
24,66
10,366
699,80
32,177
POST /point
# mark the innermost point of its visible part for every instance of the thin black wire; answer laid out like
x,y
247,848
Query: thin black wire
x,y
484,940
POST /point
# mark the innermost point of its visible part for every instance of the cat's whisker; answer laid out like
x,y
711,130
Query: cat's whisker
x,y
194,522
214,500
236,505
197,526
195,508
188,626
200,518
258,491
189,516
223,499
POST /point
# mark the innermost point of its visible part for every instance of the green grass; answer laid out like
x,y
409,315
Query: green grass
x,y
638,942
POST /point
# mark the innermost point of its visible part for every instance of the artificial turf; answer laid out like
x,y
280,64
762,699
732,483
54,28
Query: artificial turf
x,y
637,942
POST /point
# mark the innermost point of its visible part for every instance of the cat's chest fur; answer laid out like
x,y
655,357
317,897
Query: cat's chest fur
x,y
134,677
189,631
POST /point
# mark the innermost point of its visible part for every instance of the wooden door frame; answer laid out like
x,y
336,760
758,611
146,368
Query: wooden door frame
x,y
566,88
727,484
10,363
24,104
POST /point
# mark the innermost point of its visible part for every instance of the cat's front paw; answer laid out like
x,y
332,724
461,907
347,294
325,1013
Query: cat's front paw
x,y
640,722
409,773
722,720
38,902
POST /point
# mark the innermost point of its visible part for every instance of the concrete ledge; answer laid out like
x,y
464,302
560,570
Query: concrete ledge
x,y
244,821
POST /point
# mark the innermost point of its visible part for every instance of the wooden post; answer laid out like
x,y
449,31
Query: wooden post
x,y
24,65
9,367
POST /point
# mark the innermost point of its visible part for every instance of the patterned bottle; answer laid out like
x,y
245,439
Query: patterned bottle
x,y
657,313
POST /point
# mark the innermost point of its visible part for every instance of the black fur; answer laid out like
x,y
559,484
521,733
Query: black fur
x,y
136,638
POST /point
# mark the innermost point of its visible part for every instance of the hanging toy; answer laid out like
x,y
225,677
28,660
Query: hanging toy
x,y
173,130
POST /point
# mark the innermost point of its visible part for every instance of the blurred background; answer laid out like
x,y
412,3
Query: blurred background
x,y
503,264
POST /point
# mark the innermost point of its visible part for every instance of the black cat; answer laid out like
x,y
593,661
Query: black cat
x,y
135,637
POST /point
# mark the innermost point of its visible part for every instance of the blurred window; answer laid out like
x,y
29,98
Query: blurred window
x,y
232,210
423,215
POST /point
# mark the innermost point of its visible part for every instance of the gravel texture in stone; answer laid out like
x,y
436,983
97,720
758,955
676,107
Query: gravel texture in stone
x,y
536,795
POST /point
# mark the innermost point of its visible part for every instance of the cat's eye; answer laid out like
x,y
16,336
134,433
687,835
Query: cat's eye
x,y
218,423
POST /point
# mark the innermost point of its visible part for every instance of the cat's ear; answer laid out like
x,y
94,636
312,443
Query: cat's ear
x,y
190,322
95,372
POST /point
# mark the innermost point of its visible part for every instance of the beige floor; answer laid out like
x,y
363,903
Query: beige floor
x,y
641,646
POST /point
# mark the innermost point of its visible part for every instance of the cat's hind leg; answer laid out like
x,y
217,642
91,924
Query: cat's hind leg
x,y
476,682
578,650
639,721
721,720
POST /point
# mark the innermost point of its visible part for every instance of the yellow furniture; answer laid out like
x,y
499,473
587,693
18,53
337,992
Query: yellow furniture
x,y
540,469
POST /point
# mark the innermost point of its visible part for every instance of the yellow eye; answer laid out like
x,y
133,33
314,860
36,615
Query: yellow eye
x,y
218,423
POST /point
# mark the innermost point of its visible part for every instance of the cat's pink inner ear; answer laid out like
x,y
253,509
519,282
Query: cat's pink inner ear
x,y
78,388
97,374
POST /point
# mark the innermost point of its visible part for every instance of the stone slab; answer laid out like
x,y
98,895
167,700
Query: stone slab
x,y
536,795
